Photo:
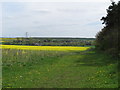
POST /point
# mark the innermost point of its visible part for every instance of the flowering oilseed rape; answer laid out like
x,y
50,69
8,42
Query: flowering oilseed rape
x,y
54,48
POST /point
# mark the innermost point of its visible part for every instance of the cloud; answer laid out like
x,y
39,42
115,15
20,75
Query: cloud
x,y
12,7
93,23
53,19
41,11
56,0
76,10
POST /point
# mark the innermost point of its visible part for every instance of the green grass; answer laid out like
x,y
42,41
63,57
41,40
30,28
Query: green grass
x,y
58,69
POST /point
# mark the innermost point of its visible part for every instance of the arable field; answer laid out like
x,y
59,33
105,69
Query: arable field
x,y
53,48
29,68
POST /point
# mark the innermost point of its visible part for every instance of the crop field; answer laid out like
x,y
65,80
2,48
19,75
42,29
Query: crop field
x,y
55,48
33,67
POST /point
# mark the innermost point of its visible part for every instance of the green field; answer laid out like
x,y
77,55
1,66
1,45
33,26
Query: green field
x,y
60,45
58,69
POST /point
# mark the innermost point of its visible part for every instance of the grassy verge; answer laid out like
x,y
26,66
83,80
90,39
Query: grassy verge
x,y
58,69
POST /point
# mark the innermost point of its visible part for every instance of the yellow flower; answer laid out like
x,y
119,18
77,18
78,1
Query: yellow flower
x,y
17,53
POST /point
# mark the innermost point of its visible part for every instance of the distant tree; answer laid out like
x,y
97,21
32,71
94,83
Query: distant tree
x,y
107,39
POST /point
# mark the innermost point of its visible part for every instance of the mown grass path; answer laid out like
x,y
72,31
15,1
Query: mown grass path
x,y
78,69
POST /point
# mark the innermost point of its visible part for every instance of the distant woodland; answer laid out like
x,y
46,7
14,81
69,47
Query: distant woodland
x,y
50,41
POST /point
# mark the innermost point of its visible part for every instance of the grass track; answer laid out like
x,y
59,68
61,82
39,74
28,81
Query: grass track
x,y
58,69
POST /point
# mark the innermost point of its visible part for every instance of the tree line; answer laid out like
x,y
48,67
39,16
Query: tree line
x,y
107,39
51,42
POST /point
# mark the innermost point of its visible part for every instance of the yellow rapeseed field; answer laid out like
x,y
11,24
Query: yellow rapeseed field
x,y
2,41
56,48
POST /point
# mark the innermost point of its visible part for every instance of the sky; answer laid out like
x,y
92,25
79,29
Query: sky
x,y
52,19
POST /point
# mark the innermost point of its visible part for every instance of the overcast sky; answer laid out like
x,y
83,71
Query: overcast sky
x,y
50,19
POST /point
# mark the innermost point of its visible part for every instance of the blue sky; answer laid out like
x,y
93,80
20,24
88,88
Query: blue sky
x,y
51,19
